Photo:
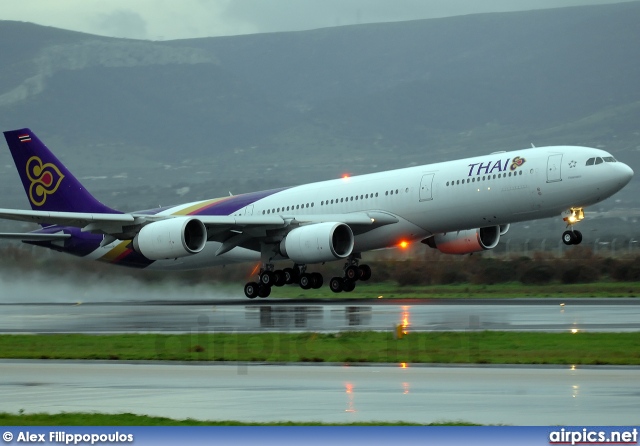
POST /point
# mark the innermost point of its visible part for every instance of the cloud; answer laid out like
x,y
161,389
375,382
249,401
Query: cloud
x,y
122,23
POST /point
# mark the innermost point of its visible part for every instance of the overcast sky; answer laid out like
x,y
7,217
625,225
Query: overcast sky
x,y
179,19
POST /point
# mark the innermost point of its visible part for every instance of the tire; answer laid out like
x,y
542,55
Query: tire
x,y
352,273
306,282
365,272
264,291
578,237
251,290
348,286
267,278
289,276
317,280
336,284
568,238
279,278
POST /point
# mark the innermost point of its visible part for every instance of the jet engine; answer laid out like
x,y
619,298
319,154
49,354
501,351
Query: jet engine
x,y
316,243
171,238
465,242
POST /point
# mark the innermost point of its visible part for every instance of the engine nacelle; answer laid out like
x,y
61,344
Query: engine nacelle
x,y
316,243
504,229
171,238
465,242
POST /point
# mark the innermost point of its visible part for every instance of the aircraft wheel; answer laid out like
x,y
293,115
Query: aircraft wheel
x,y
251,290
306,281
267,278
317,280
348,285
568,238
289,276
578,235
365,272
279,278
352,272
336,284
264,291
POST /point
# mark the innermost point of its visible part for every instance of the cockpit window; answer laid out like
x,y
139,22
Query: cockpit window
x,y
609,159
599,160
590,161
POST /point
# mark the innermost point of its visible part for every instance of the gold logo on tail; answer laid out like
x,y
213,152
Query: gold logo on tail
x,y
45,180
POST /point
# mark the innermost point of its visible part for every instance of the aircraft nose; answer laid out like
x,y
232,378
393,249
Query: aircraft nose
x,y
626,172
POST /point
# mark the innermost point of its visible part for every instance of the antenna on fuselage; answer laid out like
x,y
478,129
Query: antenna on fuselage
x,y
532,146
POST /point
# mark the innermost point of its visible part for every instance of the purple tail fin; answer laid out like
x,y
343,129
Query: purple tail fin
x,y
47,182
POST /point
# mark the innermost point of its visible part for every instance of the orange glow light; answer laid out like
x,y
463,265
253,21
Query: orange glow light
x,y
406,323
403,365
403,244
346,176
255,270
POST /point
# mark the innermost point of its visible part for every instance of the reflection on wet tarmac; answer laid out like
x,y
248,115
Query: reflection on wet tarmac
x,y
596,315
303,317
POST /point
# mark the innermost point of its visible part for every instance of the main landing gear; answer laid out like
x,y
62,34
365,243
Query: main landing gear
x,y
571,236
270,277
352,273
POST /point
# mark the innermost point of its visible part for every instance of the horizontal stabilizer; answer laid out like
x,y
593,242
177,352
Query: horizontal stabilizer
x,y
76,219
33,236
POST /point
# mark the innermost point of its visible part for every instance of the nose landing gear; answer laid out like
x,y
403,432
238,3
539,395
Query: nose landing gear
x,y
571,236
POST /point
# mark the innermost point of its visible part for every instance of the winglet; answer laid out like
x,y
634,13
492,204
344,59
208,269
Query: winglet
x,y
47,182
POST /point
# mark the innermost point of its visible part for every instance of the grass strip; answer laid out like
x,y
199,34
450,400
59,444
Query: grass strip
x,y
391,290
129,419
474,347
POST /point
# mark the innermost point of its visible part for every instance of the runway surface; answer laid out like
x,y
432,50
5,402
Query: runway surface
x,y
255,393
239,315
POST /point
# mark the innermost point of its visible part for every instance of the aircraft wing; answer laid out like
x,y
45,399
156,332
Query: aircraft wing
x,y
231,231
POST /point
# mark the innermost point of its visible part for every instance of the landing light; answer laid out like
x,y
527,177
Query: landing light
x,y
346,176
574,330
403,244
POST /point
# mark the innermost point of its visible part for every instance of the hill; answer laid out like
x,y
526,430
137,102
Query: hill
x,y
143,121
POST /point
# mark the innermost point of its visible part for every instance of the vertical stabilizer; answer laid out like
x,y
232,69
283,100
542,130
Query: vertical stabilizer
x,y
47,182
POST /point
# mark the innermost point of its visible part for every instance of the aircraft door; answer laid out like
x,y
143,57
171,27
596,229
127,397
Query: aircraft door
x,y
248,210
554,168
426,187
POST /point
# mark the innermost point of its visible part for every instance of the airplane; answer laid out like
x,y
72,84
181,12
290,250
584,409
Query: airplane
x,y
457,207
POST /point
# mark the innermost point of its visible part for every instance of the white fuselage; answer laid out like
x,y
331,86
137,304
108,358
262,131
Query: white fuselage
x,y
477,192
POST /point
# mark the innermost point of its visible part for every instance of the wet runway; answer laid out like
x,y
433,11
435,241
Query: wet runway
x,y
238,315
254,393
